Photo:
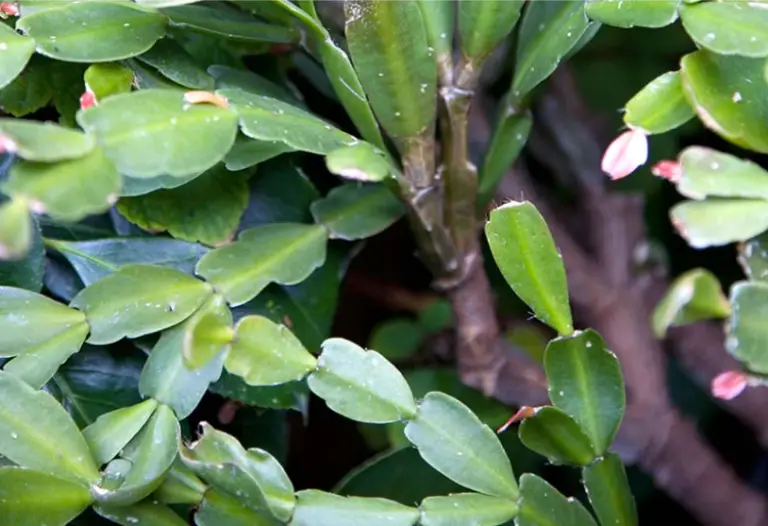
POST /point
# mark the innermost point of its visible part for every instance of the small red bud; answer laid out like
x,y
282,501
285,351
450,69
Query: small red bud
x,y
672,171
524,412
729,385
625,154
9,9
202,97
87,100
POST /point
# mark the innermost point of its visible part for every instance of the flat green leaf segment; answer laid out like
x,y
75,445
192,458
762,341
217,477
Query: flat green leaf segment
x,y
747,333
753,258
172,61
633,13
282,253
208,333
45,142
68,190
354,211
222,509
93,260
509,138
527,257
153,132
483,25
17,50
37,433
268,119
247,152
107,79
28,321
694,296
660,106
253,476
144,513
726,92
206,209
709,173
318,508
466,508
112,431
608,489
727,28
359,162
16,229
555,435
585,382
31,498
361,385
93,31
539,51
265,353
451,439
139,300
717,222
542,505
390,49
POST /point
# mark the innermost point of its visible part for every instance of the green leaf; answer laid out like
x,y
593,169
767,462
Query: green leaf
x,y
17,50
585,382
223,21
542,505
67,190
278,253
93,31
265,353
143,513
633,13
168,380
154,132
466,508
456,443
208,333
180,486
111,432
555,435
706,172
16,229
509,137
238,79
37,366
609,493
30,91
37,433
32,498
484,25
220,509
318,508
138,300
151,454
397,474
359,162
253,475
45,142
389,46
247,152
716,222
746,335
525,252
727,94
353,211
29,320
727,28
361,385
692,297
439,20
206,209
753,258
660,106
173,61
294,395
397,339
26,272
268,119
106,79
539,51
93,260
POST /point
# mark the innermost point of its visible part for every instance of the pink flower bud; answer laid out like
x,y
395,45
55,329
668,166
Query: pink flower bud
x,y
9,9
87,100
672,171
522,413
627,151
729,385
206,97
